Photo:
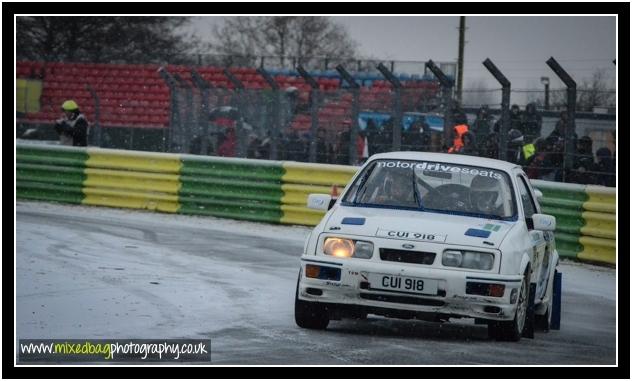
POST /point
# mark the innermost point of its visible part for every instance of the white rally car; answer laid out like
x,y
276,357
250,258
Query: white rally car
x,y
433,237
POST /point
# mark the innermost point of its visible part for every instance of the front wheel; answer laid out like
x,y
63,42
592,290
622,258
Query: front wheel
x,y
512,330
310,315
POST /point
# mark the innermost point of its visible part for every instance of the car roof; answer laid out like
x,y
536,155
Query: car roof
x,y
447,158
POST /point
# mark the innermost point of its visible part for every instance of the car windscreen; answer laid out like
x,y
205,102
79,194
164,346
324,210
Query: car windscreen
x,y
434,187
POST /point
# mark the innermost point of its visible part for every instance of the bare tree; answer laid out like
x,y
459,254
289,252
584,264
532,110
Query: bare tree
x,y
102,39
296,37
595,92
591,92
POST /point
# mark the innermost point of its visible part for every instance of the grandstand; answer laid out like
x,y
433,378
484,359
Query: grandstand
x,y
136,96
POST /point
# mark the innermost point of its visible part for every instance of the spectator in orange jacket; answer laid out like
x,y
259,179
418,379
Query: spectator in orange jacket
x,y
459,131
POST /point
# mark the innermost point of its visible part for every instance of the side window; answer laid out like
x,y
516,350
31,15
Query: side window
x,y
527,200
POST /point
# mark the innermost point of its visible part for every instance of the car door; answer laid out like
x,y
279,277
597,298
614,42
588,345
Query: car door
x,y
537,237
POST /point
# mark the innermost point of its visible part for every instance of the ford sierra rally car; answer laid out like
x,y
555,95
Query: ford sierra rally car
x,y
431,236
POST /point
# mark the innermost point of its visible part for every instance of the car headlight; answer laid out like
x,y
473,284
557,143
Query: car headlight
x,y
468,259
363,249
452,258
346,248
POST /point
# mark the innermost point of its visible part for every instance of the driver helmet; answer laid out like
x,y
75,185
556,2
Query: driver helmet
x,y
394,184
485,194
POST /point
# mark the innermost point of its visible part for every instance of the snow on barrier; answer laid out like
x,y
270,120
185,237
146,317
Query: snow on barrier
x,y
263,190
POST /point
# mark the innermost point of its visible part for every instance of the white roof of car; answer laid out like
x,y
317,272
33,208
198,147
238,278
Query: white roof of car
x,y
447,158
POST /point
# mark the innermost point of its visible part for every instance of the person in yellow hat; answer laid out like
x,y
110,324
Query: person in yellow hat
x,y
73,126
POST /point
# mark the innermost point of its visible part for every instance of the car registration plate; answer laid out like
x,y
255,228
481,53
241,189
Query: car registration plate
x,y
403,284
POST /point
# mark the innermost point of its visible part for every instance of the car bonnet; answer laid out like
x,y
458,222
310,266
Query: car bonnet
x,y
418,226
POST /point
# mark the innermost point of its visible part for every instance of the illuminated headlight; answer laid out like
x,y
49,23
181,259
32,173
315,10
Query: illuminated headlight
x,y
345,248
468,259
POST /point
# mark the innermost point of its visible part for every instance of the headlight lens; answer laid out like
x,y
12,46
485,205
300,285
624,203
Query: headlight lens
x,y
338,247
452,258
363,249
346,248
468,259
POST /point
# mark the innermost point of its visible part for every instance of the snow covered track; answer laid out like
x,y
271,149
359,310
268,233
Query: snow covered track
x,y
90,272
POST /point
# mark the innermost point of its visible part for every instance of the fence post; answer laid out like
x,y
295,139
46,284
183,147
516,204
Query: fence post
x,y
353,134
175,112
446,87
97,114
314,111
203,122
188,109
239,132
571,100
397,120
506,93
273,130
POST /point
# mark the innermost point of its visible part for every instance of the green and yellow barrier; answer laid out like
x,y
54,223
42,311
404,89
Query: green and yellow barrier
x,y
263,190
242,189
586,219
301,179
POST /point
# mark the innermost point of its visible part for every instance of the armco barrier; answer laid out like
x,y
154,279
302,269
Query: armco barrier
x,y
234,188
49,173
586,219
301,179
262,190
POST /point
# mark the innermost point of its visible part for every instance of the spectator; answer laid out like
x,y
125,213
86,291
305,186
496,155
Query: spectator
x,y
559,134
323,148
515,142
409,139
363,147
482,126
264,148
605,167
228,143
425,138
469,144
489,147
201,145
516,121
532,123
253,146
539,166
457,143
372,132
73,126
584,163
341,151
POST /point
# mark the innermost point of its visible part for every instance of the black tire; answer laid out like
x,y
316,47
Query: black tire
x,y
512,330
310,315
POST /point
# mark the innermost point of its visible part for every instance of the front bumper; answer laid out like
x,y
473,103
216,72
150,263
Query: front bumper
x,y
451,299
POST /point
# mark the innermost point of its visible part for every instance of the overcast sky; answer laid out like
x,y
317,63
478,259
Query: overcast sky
x,y
519,46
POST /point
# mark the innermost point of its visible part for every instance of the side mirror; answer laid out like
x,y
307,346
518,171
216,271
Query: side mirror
x,y
543,222
319,201
538,194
